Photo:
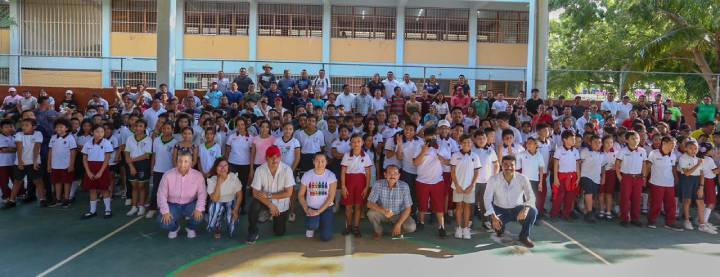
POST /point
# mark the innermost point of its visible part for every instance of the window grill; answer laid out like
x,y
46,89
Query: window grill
x,y
133,78
217,18
134,16
5,19
502,26
290,20
508,88
62,28
363,22
436,24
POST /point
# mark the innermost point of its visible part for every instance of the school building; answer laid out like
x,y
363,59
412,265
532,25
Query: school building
x,y
499,45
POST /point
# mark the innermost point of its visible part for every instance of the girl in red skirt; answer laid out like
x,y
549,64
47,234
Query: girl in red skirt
x,y
62,161
96,160
607,189
355,183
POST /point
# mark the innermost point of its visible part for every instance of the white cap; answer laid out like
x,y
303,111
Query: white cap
x,y
69,92
12,89
444,123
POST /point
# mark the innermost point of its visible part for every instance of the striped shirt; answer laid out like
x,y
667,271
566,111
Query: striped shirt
x,y
396,199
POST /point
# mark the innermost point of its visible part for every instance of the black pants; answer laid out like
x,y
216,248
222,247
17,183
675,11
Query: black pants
x,y
243,172
409,178
279,222
156,177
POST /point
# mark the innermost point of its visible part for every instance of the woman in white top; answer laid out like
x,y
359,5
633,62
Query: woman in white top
x,y
237,149
317,192
225,190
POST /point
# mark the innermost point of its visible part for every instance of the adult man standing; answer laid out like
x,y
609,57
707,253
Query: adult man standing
x,y
222,81
509,197
407,87
266,78
286,84
624,109
304,82
322,84
461,83
362,102
499,105
151,115
97,101
234,95
272,186
243,81
432,86
45,118
390,84
534,102
346,98
181,194
705,112
390,202
10,102
481,106
609,105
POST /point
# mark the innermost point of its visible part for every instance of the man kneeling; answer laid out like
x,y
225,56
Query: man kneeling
x,y
390,202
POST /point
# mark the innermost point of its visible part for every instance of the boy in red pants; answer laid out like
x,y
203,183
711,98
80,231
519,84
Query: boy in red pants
x,y
632,175
566,169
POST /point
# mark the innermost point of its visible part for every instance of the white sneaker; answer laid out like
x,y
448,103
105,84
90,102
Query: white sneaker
x,y
466,233
458,232
706,229
291,217
173,234
309,234
132,211
715,228
128,202
150,214
190,233
141,211
687,225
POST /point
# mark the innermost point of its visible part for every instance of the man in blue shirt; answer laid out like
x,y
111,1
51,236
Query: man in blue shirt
x,y
286,84
234,95
213,95
272,93
304,82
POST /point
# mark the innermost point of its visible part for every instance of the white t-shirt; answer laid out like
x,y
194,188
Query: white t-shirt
x,y
239,149
378,104
544,149
7,159
356,164
28,143
310,144
499,106
632,161
623,111
390,87
318,187
448,147
96,152
138,148
465,166
410,149
265,182
151,116
341,146
530,164
163,154
687,162
407,89
287,149
115,142
61,148
229,188
610,158
613,107
345,100
592,164
488,158
430,170
708,167
516,150
661,169
567,159
208,155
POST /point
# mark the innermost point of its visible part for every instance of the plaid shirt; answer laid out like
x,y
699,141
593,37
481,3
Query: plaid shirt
x,y
396,199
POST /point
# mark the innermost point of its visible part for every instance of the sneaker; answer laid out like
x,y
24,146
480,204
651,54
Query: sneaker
x,y
128,202
173,234
715,228
636,223
309,234
150,214
9,205
487,225
608,216
601,215
65,204
108,214
687,225
291,217
466,233
252,238
141,211
441,233
652,226
89,215
132,211
55,204
190,233
347,231
674,227
458,232
706,229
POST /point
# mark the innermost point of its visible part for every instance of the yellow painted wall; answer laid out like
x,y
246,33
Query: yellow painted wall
x,y
215,47
133,44
502,54
5,41
289,48
362,50
62,78
436,52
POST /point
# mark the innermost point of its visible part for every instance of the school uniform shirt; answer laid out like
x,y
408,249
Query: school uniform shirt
x,y
632,160
28,143
125,133
430,170
115,142
277,133
516,150
310,143
341,146
448,147
287,149
544,148
138,148
7,159
317,187
708,167
567,159
661,168
610,158
208,155
410,149
390,146
61,148
329,138
530,164
465,165
96,152
487,157
356,164
592,164
229,188
163,154
687,162
239,149
81,140
265,182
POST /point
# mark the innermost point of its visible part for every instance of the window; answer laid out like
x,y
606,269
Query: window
x,y
217,18
436,24
134,16
363,22
508,88
134,77
5,19
203,80
290,20
502,27
61,28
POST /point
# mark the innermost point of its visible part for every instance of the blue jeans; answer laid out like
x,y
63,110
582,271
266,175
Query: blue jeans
x,y
323,223
178,212
509,215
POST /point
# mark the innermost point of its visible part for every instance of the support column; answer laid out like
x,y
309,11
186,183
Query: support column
x,y
166,35
541,50
252,30
326,29
472,49
179,47
400,37
532,42
15,43
106,69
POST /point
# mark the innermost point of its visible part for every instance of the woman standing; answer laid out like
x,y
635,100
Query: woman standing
x,y
225,190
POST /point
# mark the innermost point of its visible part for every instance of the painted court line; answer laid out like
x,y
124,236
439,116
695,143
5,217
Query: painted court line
x,y
348,246
600,258
82,251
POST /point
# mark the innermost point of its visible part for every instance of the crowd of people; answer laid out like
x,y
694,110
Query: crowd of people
x,y
396,154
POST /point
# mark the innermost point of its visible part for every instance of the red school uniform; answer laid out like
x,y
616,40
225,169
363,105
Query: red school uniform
x,y
355,178
564,195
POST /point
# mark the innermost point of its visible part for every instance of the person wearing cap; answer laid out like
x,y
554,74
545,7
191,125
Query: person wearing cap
x,y
96,101
27,102
69,101
181,194
266,78
213,95
10,101
272,186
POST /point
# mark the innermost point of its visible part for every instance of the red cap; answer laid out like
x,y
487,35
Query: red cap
x,y
272,151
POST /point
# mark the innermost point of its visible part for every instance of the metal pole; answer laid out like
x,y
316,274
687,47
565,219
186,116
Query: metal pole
x,y
122,72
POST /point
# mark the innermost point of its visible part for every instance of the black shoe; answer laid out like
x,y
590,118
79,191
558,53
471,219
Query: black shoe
x,y
53,204
347,231
9,205
589,218
72,200
636,223
624,224
674,227
89,215
43,203
419,226
108,214
65,204
29,199
441,233
252,238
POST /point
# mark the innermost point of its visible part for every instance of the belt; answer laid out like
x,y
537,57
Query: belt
x,y
632,175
